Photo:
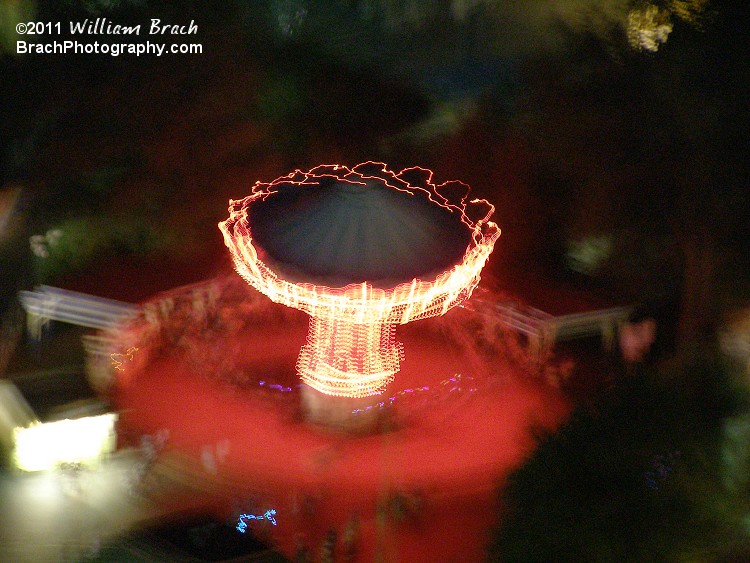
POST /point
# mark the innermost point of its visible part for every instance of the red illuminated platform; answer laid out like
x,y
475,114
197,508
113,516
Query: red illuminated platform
x,y
424,489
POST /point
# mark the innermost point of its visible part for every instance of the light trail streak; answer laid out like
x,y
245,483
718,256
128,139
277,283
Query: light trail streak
x,y
351,349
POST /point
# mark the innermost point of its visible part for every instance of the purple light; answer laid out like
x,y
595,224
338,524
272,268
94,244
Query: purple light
x,y
458,378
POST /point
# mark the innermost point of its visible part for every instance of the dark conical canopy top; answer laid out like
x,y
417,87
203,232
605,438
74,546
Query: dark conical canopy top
x,y
337,232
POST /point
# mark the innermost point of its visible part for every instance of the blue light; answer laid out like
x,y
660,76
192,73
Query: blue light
x,y
268,515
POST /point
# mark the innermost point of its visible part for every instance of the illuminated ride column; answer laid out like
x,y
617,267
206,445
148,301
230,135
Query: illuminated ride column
x,y
345,359
314,241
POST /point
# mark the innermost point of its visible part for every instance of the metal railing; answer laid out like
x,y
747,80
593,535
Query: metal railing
x,y
543,330
605,322
47,303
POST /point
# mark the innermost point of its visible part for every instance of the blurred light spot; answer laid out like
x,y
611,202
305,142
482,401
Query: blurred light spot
x,y
119,359
46,446
648,27
689,10
586,255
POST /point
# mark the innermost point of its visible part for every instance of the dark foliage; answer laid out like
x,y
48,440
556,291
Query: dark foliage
x,y
586,493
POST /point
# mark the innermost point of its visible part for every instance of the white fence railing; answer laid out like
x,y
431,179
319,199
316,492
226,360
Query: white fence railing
x,y
604,322
543,330
47,303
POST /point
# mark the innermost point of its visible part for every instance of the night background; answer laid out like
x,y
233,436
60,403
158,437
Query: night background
x,y
612,136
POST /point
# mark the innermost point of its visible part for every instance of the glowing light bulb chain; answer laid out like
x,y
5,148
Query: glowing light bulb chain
x,y
336,349
351,349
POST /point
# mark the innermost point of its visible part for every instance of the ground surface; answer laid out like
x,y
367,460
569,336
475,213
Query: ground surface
x,y
95,515
443,457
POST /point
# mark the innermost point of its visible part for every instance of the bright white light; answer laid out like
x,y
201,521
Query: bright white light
x,y
83,440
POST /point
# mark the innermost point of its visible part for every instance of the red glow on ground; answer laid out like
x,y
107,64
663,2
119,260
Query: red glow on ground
x,y
452,455
351,349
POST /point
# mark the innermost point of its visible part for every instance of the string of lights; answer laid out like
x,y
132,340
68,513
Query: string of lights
x,y
351,349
